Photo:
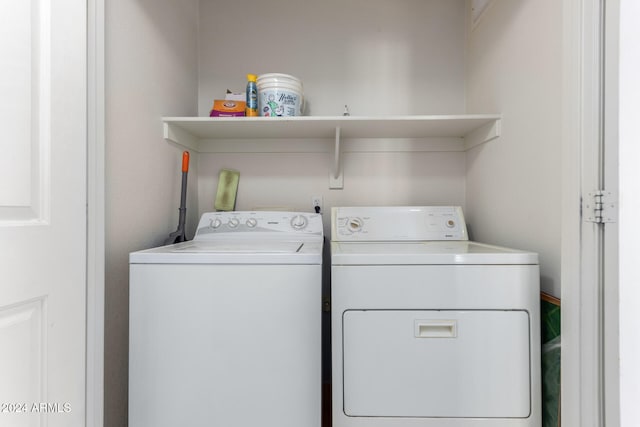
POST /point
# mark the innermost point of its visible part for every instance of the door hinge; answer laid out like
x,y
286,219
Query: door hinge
x,y
600,206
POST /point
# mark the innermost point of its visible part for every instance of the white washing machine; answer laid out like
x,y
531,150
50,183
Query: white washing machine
x,y
225,330
429,328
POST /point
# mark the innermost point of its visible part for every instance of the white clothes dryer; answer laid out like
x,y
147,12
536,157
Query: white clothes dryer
x,y
225,330
429,328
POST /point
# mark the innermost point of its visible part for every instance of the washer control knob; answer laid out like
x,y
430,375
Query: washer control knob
x,y
450,223
215,223
251,222
355,224
233,222
299,222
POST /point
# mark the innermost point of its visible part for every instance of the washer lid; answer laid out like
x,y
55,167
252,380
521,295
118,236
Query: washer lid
x,y
428,252
232,252
234,246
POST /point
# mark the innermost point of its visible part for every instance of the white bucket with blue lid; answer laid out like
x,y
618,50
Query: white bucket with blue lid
x,y
279,95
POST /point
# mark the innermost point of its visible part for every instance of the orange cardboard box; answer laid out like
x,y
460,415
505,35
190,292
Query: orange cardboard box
x,y
227,108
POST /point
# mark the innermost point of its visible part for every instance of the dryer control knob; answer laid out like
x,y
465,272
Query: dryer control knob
x,y
233,222
215,223
355,224
251,222
299,222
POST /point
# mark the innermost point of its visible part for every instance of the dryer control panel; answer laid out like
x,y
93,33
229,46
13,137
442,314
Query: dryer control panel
x,y
398,223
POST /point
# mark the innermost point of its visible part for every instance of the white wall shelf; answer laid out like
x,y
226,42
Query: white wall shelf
x,y
346,133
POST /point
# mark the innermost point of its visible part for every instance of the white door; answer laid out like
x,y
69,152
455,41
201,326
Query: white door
x,y
43,97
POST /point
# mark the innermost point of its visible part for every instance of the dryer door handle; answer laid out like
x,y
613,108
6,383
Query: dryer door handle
x,y
435,328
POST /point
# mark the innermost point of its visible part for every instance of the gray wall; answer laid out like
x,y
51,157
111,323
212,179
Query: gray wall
x,y
381,57
151,71
513,185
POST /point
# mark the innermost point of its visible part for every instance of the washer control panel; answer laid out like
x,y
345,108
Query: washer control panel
x,y
402,223
267,223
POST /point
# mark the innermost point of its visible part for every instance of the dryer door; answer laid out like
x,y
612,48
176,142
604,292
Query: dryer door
x,y
436,363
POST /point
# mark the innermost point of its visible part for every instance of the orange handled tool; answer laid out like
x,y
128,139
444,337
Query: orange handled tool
x,y
185,161
179,235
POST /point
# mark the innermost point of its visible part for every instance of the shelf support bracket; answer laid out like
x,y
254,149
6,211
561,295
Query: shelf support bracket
x,y
336,176
483,134
177,135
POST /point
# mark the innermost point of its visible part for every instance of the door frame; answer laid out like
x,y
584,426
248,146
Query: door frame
x,y
95,213
580,39
590,305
